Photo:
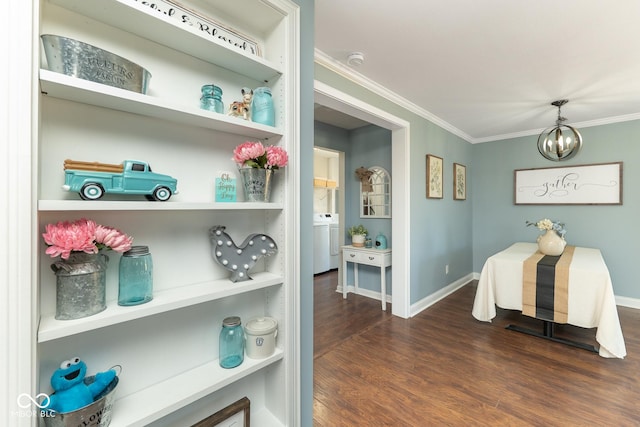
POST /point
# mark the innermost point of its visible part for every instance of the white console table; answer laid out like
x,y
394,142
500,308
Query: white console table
x,y
368,256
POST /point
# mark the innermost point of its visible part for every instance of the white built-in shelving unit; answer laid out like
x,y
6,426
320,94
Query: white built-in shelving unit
x,y
168,348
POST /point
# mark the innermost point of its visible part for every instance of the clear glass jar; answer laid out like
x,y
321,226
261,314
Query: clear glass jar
x,y
135,284
262,110
211,98
231,342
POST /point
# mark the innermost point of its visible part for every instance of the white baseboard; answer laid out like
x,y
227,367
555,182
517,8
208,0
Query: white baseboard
x,y
364,292
428,301
628,302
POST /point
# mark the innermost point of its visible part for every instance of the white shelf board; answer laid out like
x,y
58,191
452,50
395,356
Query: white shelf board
x,y
143,21
159,400
267,419
75,89
163,301
134,205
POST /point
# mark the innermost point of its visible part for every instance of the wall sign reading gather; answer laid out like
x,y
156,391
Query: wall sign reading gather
x,y
597,184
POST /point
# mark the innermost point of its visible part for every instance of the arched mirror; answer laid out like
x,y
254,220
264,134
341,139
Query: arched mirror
x,y
375,193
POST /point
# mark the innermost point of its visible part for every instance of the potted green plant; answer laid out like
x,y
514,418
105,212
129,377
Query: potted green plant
x,y
358,234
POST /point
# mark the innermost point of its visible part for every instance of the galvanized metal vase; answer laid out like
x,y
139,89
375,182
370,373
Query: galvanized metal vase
x,y
80,285
257,184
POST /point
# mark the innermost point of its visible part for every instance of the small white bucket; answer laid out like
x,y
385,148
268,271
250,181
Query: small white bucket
x,y
260,335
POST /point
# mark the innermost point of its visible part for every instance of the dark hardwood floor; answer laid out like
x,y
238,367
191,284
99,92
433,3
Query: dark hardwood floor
x,y
443,367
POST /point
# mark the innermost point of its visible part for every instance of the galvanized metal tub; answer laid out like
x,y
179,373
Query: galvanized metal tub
x,y
97,413
80,285
77,59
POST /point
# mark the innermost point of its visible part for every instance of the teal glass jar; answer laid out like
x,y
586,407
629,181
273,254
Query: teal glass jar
x,y
135,281
262,110
231,346
211,98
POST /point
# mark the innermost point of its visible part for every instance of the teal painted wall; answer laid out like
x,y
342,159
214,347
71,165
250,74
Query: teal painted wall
x,y
334,138
440,229
366,146
497,222
305,332
371,146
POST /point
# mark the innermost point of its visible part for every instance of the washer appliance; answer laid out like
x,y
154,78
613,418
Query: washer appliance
x,y
334,243
321,261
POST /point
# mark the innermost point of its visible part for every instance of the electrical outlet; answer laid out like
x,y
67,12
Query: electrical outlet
x,y
446,269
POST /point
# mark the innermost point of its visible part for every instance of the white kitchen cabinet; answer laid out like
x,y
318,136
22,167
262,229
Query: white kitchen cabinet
x,y
168,348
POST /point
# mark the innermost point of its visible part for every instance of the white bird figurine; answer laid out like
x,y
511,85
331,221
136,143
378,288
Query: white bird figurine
x,y
239,259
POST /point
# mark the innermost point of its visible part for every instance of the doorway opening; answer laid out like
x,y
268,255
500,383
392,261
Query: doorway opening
x,y
400,212
328,208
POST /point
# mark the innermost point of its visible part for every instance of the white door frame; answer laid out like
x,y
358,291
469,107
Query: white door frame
x,y
19,233
400,213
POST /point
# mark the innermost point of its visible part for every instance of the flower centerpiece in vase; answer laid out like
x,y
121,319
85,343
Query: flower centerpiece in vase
x,y
257,164
552,242
81,270
358,234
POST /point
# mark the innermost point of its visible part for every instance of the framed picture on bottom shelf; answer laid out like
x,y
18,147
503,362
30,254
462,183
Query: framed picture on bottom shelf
x,y
459,182
235,415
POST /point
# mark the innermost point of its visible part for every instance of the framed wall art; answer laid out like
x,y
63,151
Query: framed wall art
x,y
434,177
596,184
459,182
236,414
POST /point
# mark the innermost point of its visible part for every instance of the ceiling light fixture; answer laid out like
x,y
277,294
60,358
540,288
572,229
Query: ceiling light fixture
x,y
554,144
355,59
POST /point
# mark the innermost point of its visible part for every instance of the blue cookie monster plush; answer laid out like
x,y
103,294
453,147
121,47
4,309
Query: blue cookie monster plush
x,y
71,392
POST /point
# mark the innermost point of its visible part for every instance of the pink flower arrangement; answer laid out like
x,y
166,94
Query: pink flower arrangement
x,y
83,235
255,155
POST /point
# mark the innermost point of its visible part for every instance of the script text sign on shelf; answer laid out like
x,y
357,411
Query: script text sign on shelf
x,y
209,28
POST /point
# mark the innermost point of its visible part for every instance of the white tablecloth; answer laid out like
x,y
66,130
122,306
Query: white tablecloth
x,y
591,300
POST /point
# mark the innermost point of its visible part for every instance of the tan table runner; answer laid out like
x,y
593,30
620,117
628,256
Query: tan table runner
x,y
545,286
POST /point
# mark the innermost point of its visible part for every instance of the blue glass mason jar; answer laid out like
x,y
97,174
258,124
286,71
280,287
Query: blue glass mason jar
x,y
135,284
211,98
262,110
231,342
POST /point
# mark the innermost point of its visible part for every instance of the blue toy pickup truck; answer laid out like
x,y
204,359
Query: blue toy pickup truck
x,y
92,180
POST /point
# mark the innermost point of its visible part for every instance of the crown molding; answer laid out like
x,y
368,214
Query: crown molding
x,y
578,125
330,63
346,72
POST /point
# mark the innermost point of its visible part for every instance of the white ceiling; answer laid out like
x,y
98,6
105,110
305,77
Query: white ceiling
x,y
490,69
